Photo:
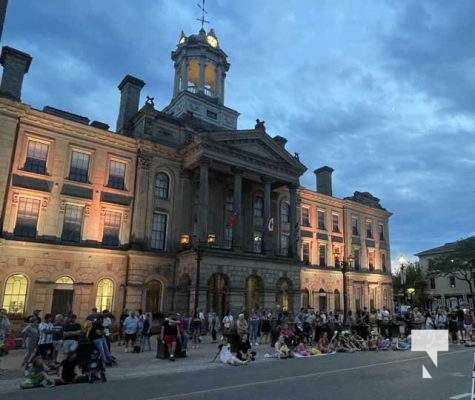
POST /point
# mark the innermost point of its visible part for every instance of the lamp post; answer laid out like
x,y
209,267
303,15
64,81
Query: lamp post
x,y
198,247
344,269
402,261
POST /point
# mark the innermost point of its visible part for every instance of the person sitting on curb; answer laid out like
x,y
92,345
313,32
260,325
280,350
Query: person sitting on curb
x,y
36,375
244,349
225,355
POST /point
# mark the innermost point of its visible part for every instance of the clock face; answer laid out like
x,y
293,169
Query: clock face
x,y
212,41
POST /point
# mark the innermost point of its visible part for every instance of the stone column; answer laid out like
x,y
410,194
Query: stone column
x,y
203,198
267,239
237,201
201,83
293,219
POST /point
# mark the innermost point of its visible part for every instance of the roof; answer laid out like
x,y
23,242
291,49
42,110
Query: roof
x,y
446,248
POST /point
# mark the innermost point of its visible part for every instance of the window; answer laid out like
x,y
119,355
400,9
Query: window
x,y
36,156
452,281
257,242
27,217
383,262
161,186
159,229
354,226
306,253
258,206
284,212
110,236
321,220
284,245
116,175
105,293
369,229
357,260
432,283
72,223
14,297
381,232
229,205
335,223
228,237
79,168
322,254
305,216
371,260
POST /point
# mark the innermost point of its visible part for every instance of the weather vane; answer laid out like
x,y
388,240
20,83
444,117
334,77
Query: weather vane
x,y
202,19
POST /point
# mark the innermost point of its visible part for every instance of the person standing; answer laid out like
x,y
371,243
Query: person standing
x,y
170,335
131,326
254,322
31,334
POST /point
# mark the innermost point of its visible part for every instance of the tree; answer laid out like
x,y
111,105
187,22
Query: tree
x,y
413,274
459,263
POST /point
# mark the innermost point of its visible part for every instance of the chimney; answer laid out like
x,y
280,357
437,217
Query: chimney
x,y
15,65
130,88
324,180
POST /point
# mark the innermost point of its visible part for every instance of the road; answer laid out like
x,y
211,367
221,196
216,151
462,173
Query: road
x,y
385,375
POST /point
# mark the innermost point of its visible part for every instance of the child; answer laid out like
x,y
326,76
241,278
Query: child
x,y
36,375
94,369
68,369
302,349
281,349
225,355
244,349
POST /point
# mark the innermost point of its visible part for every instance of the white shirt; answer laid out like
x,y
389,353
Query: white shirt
x,y
45,338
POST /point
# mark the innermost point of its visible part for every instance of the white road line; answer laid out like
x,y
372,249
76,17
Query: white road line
x,y
460,396
290,378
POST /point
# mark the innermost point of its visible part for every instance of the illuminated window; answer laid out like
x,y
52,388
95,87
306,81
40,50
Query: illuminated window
x,y
357,260
27,217
383,262
65,280
159,229
36,156
116,174
79,168
162,184
14,297
72,224
111,232
105,294
258,206
371,260
284,212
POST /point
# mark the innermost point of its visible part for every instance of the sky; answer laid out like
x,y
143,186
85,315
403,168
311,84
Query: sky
x,y
382,91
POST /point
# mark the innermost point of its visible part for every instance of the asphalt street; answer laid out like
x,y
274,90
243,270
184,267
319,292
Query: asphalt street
x,y
390,375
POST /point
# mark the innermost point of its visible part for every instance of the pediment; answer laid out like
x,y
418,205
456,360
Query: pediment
x,y
261,147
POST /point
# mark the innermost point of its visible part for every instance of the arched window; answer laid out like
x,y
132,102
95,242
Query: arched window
x,y
284,212
105,294
162,184
14,297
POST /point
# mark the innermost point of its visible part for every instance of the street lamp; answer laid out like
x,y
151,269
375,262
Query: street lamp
x,y
402,261
198,247
344,269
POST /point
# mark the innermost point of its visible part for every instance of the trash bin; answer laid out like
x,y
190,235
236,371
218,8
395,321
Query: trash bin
x,y
162,350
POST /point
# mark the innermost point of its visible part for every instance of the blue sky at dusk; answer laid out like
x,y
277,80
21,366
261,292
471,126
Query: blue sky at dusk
x,y
381,91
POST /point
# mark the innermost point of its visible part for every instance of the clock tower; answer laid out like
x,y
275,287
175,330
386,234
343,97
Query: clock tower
x,y
200,73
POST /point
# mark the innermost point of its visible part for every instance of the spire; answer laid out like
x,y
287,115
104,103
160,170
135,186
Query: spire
x,y
203,12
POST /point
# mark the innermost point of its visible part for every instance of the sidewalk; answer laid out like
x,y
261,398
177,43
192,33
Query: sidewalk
x,y
131,365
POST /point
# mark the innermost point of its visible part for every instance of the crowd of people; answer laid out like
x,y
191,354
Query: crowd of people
x,y
60,350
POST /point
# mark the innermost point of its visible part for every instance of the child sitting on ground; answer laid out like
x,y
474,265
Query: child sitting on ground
x,y
225,355
36,375
302,349
281,349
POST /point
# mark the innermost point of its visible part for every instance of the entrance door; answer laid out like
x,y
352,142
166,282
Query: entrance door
x,y
62,301
154,296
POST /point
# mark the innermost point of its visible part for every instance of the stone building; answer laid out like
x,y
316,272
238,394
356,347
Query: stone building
x,y
173,209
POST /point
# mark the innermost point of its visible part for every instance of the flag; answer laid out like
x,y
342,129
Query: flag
x,y
270,226
233,220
